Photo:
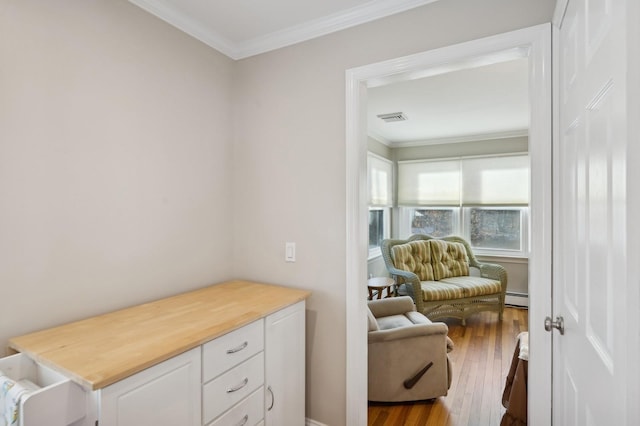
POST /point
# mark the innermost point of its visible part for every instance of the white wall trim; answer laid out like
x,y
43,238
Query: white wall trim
x,y
535,42
310,422
559,11
357,15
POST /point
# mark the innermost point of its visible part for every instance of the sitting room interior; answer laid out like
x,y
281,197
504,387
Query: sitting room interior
x,y
426,139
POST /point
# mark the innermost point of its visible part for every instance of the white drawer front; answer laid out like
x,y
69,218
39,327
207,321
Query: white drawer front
x,y
230,388
247,412
229,350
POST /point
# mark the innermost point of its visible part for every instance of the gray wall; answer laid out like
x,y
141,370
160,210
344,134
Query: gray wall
x,y
115,161
291,186
379,148
481,147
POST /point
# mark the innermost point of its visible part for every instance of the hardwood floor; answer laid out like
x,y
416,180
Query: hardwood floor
x,y
480,361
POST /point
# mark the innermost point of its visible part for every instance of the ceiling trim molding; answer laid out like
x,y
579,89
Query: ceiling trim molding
x,y
460,139
367,12
379,138
318,27
188,25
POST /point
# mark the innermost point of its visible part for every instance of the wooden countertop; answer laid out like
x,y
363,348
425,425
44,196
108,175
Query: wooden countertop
x,y
102,350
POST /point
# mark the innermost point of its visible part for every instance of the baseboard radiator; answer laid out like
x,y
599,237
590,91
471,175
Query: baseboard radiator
x,y
517,299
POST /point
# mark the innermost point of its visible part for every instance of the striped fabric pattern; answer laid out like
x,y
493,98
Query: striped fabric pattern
x,y
438,290
475,286
415,257
449,259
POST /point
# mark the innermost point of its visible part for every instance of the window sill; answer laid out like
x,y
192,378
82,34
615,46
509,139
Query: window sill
x,y
374,254
497,258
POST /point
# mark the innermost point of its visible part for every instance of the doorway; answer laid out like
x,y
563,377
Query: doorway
x,y
533,43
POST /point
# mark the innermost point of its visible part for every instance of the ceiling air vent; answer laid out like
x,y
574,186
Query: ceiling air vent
x,y
393,116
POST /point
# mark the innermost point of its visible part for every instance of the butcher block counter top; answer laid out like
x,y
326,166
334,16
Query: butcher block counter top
x,y
99,351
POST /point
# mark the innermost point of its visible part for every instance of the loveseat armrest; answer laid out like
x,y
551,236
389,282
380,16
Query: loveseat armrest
x,y
408,332
496,272
391,306
411,281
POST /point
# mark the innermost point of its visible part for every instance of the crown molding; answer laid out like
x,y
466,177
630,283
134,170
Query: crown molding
x,y
367,12
379,138
460,139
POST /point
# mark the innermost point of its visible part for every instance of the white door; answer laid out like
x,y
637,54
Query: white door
x,y
591,361
166,394
284,348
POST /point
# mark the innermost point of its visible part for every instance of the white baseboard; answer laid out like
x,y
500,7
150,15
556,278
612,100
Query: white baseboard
x,y
517,299
310,422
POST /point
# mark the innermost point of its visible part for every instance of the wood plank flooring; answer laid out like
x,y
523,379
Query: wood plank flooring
x,y
480,361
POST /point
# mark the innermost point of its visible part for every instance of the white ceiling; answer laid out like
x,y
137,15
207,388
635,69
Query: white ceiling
x,y
479,103
243,28
490,100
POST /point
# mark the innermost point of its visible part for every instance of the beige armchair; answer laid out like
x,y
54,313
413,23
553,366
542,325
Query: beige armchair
x,y
408,358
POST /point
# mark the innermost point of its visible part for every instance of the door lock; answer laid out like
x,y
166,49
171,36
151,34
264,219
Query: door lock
x,y
558,323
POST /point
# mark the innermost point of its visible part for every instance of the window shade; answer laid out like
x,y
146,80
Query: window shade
x,y
433,183
379,174
495,181
501,180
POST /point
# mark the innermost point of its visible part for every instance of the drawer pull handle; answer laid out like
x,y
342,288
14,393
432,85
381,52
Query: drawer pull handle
x,y
238,348
244,420
273,398
238,387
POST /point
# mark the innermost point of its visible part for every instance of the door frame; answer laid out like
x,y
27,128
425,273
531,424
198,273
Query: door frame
x,y
534,43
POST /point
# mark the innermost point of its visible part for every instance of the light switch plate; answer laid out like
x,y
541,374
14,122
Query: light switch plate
x,y
290,252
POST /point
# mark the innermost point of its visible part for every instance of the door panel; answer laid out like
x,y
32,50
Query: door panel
x,y
590,238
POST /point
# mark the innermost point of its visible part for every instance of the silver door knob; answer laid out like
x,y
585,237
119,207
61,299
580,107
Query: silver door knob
x,y
558,324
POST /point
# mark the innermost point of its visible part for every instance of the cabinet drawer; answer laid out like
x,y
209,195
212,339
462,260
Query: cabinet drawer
x,y
231,387
247,412
229,350
53,400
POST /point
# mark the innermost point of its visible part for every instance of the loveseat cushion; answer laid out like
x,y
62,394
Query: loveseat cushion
x,y
414,256
448,259
475,286
438,290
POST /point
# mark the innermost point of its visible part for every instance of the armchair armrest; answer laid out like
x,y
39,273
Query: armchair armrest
x,y
417,330
392,306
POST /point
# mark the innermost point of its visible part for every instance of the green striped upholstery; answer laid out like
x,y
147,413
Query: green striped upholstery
x,y
475,286
437,290
449,259
415,257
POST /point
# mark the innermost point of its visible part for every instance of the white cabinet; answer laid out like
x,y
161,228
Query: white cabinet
x,y
167,394
248,374
285,367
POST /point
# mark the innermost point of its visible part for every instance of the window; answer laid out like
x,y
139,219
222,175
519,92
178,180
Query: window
x,y
379,177
436,222
483,199
495,228
377,228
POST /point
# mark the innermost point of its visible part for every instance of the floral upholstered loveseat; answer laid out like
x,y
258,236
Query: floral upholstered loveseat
x,y
443,276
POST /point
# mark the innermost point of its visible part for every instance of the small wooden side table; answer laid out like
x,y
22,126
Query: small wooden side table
x,y
379,284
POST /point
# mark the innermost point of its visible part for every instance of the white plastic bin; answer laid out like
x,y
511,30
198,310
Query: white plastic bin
x,y
57,402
